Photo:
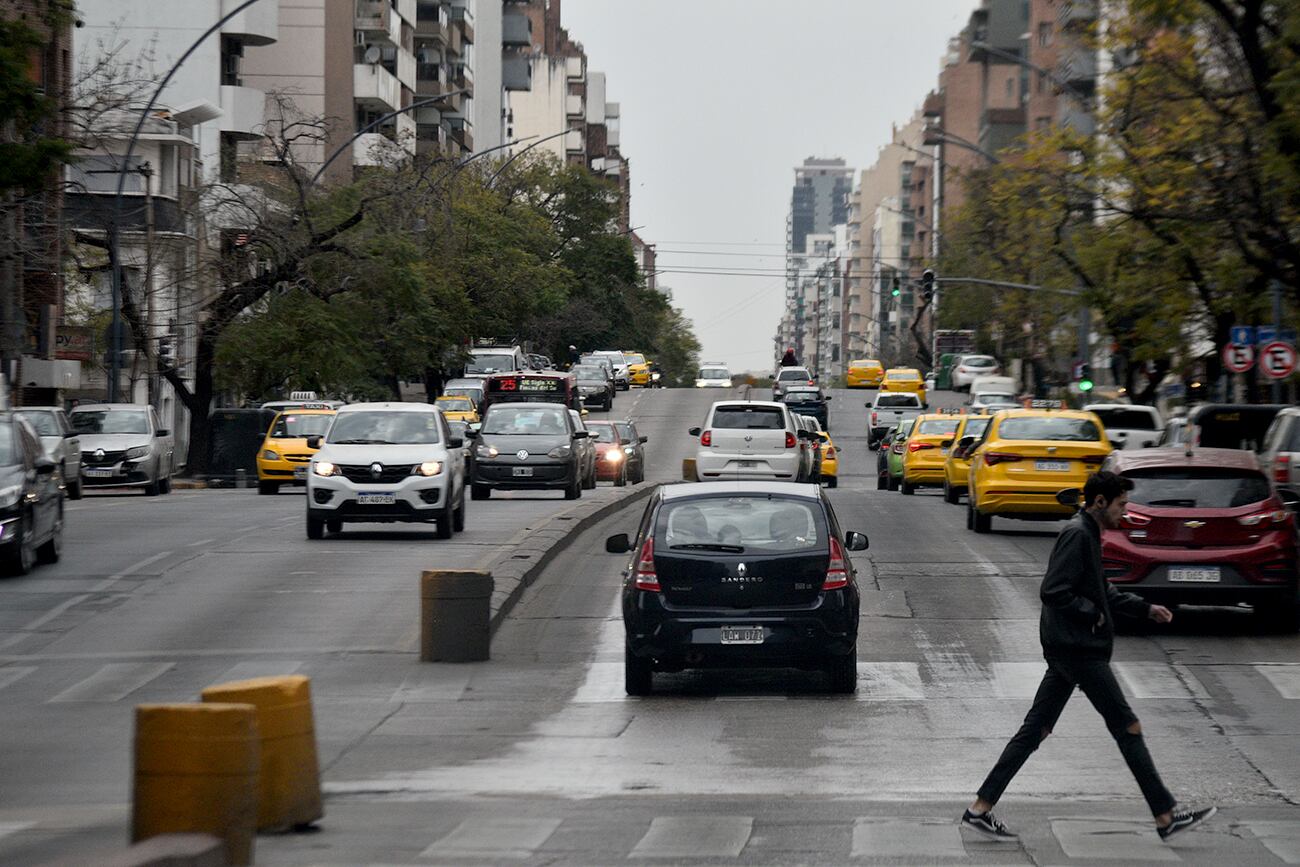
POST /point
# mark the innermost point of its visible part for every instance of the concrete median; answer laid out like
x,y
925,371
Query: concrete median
x,y
288,781
196,771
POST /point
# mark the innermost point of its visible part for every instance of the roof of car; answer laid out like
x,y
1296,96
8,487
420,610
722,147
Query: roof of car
x,y
100,407
1093,407
387,406
739,402
1181,456
757,489
43,408
1044,413
1252,408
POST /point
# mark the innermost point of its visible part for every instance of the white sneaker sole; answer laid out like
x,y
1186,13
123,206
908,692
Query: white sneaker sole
x,y
987,834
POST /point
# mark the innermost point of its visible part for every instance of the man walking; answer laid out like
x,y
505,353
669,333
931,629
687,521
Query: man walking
x,y
1077,632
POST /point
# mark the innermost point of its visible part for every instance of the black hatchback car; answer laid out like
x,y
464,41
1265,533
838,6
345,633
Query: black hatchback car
x,y
739,574
31,499
810,402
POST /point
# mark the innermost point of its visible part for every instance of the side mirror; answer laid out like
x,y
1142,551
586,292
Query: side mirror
x,y
1290,499
856,541
581,434
828,397
455,442
644,440
162,432
1069,497
694,431
867,404
313,442
471,432
619,543
70,434
44,466
945,444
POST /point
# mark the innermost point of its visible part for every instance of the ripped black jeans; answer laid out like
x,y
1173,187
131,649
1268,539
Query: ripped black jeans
x,y
1096,680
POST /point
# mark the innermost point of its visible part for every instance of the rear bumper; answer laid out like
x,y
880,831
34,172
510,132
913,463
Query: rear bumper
x,y
1246,574
727,466
1030,500
923,474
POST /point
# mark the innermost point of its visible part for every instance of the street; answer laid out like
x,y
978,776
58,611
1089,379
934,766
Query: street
x,y
538,756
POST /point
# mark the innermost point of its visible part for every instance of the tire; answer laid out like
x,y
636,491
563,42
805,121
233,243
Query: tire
x,y
833,482
334,525
882,481
1283,616
265,488
638,674
20,554
949,495
843,671
446,517
458,520
52,548
970,524
315,528
165,484
153,489
893,483
574,490
621,481
908,488
979,523
589,482
479,492
74,490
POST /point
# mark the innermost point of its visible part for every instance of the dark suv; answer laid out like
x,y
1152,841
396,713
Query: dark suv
x,y
810,402
526,446
739,574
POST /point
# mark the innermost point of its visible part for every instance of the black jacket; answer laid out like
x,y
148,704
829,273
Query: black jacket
x,y
1075,593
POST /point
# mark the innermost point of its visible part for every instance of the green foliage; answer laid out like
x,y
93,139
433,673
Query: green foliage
x,y
26,163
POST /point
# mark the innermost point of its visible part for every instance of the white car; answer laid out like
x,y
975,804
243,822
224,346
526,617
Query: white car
x,y
749,439
1127,425
992,401
789,376
713,376
61,443
622,379
385,463
968,367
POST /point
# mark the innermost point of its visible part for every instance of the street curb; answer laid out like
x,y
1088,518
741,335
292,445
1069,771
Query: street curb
x,y
515,570
189,485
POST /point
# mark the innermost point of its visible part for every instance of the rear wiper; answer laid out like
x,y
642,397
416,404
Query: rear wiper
x,y
1183,502
709,546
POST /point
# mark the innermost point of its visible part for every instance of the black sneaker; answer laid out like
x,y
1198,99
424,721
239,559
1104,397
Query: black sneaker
x,y
1184,819
989,825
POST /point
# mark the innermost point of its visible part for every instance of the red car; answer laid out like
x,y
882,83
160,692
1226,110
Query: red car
x,y
611,458
1203,527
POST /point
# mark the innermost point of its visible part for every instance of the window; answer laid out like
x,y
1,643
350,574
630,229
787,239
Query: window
x,y
385,427
1205,488
1042,81
1058,428
1044,33
752,523
98,173
748,418
1126,419
1011,87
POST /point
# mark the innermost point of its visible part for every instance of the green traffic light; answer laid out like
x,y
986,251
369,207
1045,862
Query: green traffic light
x,y
1085,385
896,293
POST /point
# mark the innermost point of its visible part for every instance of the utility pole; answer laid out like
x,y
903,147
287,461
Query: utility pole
x,y
151,383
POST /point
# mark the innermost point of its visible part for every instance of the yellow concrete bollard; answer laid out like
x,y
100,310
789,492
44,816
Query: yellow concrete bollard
x,y
289,779
688,470
196,772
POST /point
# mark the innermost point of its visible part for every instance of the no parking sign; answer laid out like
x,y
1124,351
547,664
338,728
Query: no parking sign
x,y
1238,357
1277,359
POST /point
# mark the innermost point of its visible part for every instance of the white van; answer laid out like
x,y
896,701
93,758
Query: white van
x,y
1001,384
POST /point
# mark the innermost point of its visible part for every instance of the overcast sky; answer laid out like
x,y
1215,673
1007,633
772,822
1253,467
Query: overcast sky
x,y
721,99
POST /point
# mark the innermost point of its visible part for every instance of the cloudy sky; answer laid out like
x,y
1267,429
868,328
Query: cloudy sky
x,y
721,99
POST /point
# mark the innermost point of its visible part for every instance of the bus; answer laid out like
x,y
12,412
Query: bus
x,y
531,388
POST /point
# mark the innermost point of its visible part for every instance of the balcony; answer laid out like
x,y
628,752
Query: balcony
x,y
516,31
376,149
573,105
406,9
376,87
1078,68
517,73
432,79
259,24
1076,13
432,22
575,68
462,77
462,133
463,20
376,19
575,141
243,110
1076,117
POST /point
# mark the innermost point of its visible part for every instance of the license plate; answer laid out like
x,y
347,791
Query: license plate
x,y
99,472
300,472
742,635
943,451
1052,466
1202,575
376,499
747,465
523,472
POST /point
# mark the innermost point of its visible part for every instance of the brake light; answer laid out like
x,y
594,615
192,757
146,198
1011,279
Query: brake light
x,y
994,458
645,577
812,382
917,446
1133,519
1093,459
830,451
789,440
837,572
1281,516
706,438
1282,468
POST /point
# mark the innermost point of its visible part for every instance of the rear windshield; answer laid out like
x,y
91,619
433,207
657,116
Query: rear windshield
x,y
456,404
902,374
792,373
988,398
903,400
1126,419
802,397
978,361
741,524
1204,488
975,427
748,418
588,371
289,425
939,426
1049,428
476,394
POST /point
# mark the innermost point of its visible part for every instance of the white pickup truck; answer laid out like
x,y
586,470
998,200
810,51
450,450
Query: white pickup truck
x,y
888,409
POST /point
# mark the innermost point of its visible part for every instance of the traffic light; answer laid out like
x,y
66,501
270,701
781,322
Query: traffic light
x,y
927,285
1085,377
898,289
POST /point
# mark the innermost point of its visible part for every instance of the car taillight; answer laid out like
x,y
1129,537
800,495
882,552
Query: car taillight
x,y
1132,519
994,458
837,572
1281,516
645,577
874,416
789,440
917,446
706,438
830,451
1093,459
1282,468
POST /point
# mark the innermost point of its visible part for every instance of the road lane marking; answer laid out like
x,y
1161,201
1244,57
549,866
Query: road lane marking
x,y
7,828
9,676
1280,838
1159,680
259,668
200,542
45,618
489,837
694,837
1133,842
1285,677
919,839
128,571
112,682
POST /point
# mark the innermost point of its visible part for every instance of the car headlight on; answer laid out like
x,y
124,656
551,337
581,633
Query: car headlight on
x,y
629,449
325,468
9,495
560,452
427,468
268,455
614,456
139,452
486,452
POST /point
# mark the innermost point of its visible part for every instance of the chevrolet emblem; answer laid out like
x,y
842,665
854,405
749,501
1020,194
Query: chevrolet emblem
x,y
1193,525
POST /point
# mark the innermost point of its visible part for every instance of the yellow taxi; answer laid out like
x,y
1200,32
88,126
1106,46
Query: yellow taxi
x,y
927,449
956,469
830,460
284,456
864,373
1025,458
638,368
458,407
904,379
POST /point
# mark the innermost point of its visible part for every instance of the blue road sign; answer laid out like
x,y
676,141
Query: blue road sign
x,y
1243,335
1266,334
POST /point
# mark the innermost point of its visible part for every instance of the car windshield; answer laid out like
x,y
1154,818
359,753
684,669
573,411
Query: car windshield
x,y
939,426
1128,419
384,426
455,404
43,420
792,373
602,433
741,525
110,421
1197,487
589,371
625,432
525,421
289,426
8,454
490,363
1049,428
714,373
635,358
748,418
898,400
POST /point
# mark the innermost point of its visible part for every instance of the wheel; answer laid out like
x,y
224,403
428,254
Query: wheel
x,y
74,489
267,487
52,548
446,517
315,528
574,490
621,481
843,671
908,488
334,525
970,524
153,489
833,482
893,483
589,482
882,481
949,495
458,520
638,674
479,492
20,554
1283,616
979,523
165,484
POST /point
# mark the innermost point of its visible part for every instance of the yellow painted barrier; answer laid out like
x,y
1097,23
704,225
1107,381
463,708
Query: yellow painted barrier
x,y
688,470
196,768
289,779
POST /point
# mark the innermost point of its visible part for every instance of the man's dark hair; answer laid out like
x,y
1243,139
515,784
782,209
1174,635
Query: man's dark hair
x,y
1105,484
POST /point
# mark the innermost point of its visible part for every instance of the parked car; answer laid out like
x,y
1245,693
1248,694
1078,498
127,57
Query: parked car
x,y
383,463
739,574
527,446
1130,426
808,400
31,499
749,439
1279,456
124,446
586,448
888,410
595,385
60,442
1204,527
634,446
611,459
969,367
788,377
1222,425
